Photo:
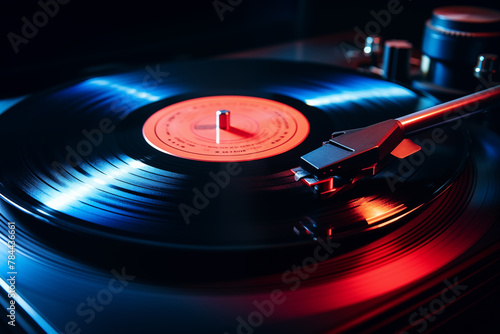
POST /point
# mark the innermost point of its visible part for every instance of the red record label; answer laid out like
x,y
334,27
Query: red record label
x,y
226,128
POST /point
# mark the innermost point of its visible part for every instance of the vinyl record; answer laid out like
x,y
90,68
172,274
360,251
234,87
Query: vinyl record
x,y
84,161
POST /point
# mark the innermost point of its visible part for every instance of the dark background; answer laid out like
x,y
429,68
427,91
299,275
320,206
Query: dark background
x,y
86,37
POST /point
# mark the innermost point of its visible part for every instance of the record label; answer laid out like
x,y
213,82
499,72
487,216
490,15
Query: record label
x,y
226,128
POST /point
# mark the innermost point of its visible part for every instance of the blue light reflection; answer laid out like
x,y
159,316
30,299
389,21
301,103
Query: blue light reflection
x,y
343,89
140,94
350,96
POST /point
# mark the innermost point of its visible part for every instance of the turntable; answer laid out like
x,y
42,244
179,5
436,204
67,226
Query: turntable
x,y
255,196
